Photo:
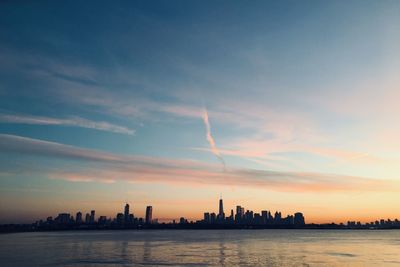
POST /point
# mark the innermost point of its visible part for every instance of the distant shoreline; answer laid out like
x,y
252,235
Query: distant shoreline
x,y
14,228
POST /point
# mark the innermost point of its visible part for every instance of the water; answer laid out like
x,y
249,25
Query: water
x,y
202,247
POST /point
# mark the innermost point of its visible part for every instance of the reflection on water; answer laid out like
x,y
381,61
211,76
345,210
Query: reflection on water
x,y
202,247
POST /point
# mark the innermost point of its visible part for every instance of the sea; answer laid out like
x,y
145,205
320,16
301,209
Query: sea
x,y
202,248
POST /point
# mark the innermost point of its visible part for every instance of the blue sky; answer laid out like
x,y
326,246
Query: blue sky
x,y
103,100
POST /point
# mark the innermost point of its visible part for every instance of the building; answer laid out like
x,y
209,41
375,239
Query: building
x,y
182,220
120,219
277,218
79,218
239,214
87,218
63,218
257,219
264,216
298,219
289,220
126,213
149,214
221,214
102,220
231,217
207,218
249,215
92,216
213,217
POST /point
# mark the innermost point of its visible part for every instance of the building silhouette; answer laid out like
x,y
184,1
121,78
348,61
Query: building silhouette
x,y
120,219
92,216
149,214
63,218
207,218
102,220
126,213
79,217
298,219
221,214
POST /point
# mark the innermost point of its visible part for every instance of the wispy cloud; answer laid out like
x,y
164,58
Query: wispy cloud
x,y
73,121
107,168
210,138
266,125
30,146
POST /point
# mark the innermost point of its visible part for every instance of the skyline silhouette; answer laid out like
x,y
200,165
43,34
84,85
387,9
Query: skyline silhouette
x,y
243,218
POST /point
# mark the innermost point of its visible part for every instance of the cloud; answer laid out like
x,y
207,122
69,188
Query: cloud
x,y
261,127
29,146
74,121
107,167
210,138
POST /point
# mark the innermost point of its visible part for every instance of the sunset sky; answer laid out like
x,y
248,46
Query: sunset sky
x,y
276,105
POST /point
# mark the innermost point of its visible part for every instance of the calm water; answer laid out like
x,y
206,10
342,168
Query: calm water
x,y
211,247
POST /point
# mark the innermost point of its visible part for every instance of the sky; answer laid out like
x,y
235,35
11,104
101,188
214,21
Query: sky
x,y
275,105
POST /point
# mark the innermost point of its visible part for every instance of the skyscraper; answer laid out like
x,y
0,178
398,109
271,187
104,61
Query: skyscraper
x,y
221,214
92,216
126,213
149,214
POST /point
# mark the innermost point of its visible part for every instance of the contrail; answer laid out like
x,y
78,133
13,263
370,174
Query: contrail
x,y
211,140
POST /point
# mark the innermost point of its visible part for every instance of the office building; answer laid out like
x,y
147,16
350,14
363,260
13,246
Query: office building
x,y
207,218
92,216
149,214
126,213
79,218
299,219
221,214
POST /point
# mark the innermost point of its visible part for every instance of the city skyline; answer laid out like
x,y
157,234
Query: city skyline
x,y
241,219
239,216
282,105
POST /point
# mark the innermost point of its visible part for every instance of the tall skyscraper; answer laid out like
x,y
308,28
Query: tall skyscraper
x,y
92,216
149,214
221,214
126,213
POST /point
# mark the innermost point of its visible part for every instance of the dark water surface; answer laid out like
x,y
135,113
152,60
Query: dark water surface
x,y
202,247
